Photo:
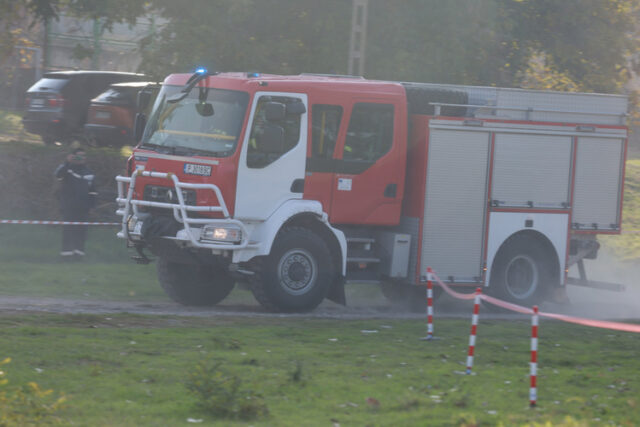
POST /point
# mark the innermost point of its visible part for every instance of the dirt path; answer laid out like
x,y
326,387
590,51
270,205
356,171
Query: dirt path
x,y
588,303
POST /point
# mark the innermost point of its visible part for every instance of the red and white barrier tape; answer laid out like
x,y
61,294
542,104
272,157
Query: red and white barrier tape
x,y
450,291
30,222
474,328
533,387
604,324
533,365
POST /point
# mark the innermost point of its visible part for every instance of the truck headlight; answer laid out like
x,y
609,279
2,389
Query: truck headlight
x,y
221,234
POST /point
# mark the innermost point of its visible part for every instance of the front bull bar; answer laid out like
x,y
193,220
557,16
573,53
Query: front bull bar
x,y
128,207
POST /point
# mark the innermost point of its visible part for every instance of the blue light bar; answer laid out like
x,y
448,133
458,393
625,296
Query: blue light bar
x,y
201,70
254,74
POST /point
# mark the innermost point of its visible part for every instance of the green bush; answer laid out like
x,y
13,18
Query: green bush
x,y
27,405
221,393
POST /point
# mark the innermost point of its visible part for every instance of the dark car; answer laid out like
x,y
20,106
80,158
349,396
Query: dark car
x,y
112,113
56,106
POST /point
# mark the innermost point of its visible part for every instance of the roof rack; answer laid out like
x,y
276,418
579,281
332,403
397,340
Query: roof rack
x,y
540,105
477,110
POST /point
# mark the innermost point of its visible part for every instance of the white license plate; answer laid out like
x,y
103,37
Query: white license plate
x,y
103,115
38,102
201,170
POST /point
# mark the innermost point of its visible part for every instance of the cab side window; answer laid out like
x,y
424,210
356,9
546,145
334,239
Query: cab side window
x,y
325,127
264,148
370,132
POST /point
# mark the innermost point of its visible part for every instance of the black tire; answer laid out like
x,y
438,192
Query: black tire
x,y
297,274
522,271
192,284
410,297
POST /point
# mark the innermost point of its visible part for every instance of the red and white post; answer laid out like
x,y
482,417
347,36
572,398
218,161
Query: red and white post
x,y
533,389
429,304
474,326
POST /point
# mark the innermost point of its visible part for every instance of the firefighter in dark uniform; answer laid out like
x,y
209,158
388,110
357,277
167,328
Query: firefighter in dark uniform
x,y
77,197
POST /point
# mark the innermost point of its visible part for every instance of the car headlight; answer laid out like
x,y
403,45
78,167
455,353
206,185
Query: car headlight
x,y
221,234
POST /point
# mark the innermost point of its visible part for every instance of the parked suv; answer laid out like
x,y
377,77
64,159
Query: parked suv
x,y
57,104
112,113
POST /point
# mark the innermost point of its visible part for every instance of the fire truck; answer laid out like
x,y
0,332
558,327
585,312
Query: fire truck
x,y
297,185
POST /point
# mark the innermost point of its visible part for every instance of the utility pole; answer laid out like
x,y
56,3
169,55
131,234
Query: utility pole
x,y
97,33
358,37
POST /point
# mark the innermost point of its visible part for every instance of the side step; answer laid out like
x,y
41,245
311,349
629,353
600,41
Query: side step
x,y
362,260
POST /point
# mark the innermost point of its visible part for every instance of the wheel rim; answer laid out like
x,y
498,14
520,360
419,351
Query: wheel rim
x,y
521,278
297,271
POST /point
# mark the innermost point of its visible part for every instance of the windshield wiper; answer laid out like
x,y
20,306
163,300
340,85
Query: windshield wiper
x,y
185,151
148,146
196,78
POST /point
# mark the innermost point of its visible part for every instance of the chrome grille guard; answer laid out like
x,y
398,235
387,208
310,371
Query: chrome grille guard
x,y
128,207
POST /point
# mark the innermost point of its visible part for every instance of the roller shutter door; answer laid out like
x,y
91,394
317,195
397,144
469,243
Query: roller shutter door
x,y
596,198
455,204
531,171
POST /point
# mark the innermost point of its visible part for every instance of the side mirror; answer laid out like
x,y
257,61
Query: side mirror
x,y
143,100
272,139
205,109
275,111
138,126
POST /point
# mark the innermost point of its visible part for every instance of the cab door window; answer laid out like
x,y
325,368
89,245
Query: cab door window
x,y
370,133
325,125
270,139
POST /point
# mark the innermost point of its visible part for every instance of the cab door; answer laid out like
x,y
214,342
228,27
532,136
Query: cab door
x,y
326,126
370,161
270,174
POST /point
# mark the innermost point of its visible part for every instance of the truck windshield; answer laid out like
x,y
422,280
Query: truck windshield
x,y
185,128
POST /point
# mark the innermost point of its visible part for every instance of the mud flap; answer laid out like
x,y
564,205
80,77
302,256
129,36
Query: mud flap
x,y
336,293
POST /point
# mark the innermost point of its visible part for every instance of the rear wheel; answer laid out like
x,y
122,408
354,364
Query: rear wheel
x,y
297,274
522,271
193,284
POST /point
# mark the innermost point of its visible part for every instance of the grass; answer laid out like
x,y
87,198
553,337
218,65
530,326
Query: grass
x,y
131,370
128,370
31,266
627,246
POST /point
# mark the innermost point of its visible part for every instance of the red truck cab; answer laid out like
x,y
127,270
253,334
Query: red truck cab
x,y
353,144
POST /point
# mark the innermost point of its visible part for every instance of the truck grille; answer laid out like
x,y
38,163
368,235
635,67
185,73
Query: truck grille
x,y
156,193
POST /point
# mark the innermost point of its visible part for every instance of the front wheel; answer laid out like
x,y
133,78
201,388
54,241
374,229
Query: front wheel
x,y
522,271
297,274
194,284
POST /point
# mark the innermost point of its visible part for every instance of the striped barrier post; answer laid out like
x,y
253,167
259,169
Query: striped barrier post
x,y
474,326
533,389
429,304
